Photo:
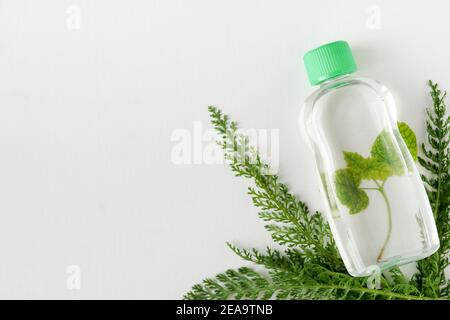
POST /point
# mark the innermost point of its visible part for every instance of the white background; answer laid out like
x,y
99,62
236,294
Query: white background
x,y
87,115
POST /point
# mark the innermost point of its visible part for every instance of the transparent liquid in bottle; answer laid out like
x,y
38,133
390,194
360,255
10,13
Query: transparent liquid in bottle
x,y
377,206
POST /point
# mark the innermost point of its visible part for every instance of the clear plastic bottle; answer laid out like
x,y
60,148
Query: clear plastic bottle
x,y
377,206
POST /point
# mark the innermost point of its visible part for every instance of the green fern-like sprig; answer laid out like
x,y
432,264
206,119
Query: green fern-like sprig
x,y
313,282
289,220
430,278
243,283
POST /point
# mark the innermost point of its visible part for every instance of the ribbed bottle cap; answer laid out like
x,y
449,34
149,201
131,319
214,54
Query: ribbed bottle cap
x,y
329,61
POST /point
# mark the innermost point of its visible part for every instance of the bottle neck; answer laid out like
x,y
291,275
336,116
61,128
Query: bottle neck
x,y
337,78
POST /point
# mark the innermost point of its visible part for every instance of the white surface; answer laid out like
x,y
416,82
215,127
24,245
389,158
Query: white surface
x,y
86,118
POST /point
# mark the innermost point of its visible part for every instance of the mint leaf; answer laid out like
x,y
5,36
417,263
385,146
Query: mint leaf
x,y
409,137
367,168
348,192
384,150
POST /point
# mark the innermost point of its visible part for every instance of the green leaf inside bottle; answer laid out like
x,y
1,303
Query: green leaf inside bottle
x,y
385,160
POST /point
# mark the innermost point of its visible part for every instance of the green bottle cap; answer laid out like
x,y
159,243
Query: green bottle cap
x,y
329,61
